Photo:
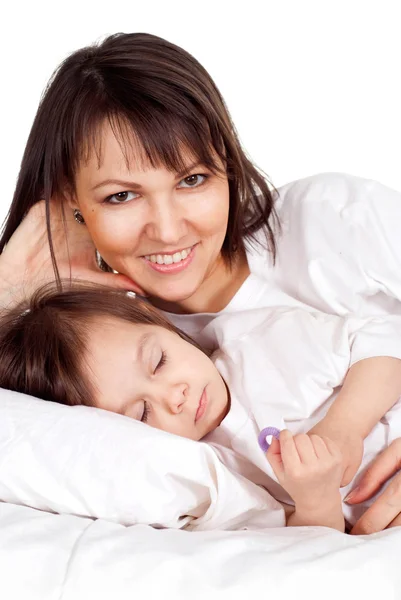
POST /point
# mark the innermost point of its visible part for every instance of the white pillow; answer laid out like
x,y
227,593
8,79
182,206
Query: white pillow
x,y
89,462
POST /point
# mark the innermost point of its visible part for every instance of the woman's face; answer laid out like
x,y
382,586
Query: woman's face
x,y
151,374
164,230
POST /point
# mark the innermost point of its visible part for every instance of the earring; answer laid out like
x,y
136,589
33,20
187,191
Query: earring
x,y
78,217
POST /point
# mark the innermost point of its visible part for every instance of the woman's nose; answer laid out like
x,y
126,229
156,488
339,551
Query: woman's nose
x,y
166,224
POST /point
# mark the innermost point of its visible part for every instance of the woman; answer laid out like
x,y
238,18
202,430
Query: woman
x,y
135,154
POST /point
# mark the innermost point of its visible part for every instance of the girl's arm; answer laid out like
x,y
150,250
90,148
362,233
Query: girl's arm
x,y
309,468
371,387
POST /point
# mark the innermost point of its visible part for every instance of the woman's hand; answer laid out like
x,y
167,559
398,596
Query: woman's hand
x,y
26,263
386,510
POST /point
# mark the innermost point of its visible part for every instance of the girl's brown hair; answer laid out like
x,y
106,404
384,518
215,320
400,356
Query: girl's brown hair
x,y
151,92
43,340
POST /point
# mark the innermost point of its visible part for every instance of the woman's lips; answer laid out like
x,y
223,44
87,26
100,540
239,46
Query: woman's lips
x,y
202,406
174,267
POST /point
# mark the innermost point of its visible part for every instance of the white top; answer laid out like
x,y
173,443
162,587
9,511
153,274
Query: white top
x,y
339,251
282,366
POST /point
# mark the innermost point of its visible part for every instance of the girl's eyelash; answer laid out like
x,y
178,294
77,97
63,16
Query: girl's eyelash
x,y
145,413
146,408
162,361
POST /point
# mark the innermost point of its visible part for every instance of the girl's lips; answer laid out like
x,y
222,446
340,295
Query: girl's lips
x,y
202,406
174,267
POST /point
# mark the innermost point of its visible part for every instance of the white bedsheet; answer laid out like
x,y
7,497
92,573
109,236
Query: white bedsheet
x,y
44,556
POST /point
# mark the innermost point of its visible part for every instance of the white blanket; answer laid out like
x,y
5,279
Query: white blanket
x,y
54,557
81,461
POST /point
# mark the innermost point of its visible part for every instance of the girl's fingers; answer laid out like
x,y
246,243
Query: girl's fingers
x,y
273,455
305,448
289,451
274,448
319,445
331,447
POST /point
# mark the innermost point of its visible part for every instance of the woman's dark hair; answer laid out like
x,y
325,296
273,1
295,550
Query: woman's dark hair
x,y
151,92
43,340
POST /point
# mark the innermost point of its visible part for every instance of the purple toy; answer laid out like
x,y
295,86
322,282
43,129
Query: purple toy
x,y
263,435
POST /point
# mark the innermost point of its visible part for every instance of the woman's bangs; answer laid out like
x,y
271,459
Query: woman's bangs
x,y
155,139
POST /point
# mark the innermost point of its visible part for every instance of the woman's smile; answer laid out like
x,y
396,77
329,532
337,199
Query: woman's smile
x,y
166,232
171,263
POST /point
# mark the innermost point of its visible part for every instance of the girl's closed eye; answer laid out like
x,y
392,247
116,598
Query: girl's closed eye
x,y
162,361
146,407
145,414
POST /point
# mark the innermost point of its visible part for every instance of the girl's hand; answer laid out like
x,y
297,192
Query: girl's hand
x,y
385,511
26,263
349,443
308,467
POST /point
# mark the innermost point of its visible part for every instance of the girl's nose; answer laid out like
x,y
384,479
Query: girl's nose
x,y
174,398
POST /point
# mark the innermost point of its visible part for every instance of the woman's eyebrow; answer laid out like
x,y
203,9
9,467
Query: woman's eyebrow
x,y
187,169
121,182
132,185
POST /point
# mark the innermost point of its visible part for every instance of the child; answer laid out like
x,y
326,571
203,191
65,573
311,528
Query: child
x,y
102,348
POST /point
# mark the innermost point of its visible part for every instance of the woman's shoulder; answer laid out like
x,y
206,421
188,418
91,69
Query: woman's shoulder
x,y
332,189
322,180
303,204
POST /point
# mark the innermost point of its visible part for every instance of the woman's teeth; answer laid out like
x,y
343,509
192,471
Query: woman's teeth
x,y
168,259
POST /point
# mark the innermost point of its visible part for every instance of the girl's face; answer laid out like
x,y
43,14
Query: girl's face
x,y
150,374
164,230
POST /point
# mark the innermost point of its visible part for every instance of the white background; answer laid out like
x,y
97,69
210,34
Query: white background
x,y
312,85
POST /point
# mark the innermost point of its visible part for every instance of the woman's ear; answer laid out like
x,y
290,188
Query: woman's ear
x,y
70,199
71,204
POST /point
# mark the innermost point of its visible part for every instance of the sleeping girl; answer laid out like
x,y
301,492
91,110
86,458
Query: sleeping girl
x,y
281,367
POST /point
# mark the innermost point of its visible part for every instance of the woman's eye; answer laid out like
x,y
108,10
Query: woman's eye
x,y
193,181
121,197
161,362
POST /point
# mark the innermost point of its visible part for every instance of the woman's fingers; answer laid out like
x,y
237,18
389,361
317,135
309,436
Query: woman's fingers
x,y
385,465
115,280
384,512
395,522
26,262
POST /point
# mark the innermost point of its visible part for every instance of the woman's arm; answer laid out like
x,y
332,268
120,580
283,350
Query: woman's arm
x,y
386,509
